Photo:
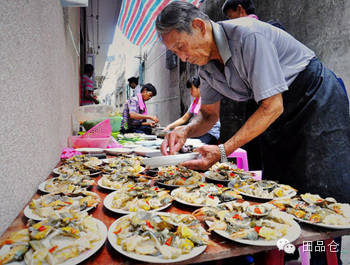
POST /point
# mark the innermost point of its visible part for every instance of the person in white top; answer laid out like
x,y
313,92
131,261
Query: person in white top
x,y
134,84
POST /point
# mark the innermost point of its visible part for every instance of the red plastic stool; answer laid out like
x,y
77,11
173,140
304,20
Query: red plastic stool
x,y
242,158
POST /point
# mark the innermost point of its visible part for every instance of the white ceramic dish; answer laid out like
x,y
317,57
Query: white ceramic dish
x,y
160,161
41,187
173,194
118,151
31,215
293,234
112,238
323,225
109,199
83,256
290,195
55,171
149,152
90,150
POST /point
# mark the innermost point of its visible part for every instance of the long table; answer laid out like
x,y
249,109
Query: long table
x,y
218,249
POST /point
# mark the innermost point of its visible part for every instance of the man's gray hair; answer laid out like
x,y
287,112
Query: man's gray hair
x,y
178,15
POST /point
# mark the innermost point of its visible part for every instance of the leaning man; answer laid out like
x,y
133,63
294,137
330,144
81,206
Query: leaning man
x,y
135,114
303,113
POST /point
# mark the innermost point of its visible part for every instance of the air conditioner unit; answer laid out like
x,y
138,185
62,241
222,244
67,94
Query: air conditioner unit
x,y
75,3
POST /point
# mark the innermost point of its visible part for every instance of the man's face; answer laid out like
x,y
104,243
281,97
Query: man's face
x,y
192,48
231,14
146,95
132,85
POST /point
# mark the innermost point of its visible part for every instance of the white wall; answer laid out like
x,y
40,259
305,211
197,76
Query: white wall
x,y
166,105
39,77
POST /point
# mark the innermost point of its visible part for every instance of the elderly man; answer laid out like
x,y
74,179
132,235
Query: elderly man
x,y
303,115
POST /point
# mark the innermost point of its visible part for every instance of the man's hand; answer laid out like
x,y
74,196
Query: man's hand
x,y
210,155
174,140
167,128
154,118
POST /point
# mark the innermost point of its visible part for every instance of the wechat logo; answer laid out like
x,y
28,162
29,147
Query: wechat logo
x,y
284,244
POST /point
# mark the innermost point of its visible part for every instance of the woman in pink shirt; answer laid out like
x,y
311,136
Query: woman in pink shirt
x,y
210,137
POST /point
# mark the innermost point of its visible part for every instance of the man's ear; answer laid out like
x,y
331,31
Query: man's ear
x,y
199,24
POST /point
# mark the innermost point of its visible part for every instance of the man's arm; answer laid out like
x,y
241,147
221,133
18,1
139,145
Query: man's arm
x,y
201,124
138,116
269,110
204,121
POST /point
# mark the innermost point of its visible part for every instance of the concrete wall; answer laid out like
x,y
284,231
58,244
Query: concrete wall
x,y
324,26
39,77
321,25
166,105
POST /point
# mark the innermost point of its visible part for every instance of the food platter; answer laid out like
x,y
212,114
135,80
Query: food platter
x,y
85,255
293,234
41,186
109,199
290,195
322,225
118,151
203,194
29,213
112,238
56,171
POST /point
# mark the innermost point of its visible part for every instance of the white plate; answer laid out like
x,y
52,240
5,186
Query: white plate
x,y
112,238
175,186
118,151
83,256
41,187
185,202
99,183
170,160
55,170
31,215
144,151
90,150
290,195
322,225
149,137
109,199
206,174
293,234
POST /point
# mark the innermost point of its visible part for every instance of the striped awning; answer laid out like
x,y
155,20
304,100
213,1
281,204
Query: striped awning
x,y
137,19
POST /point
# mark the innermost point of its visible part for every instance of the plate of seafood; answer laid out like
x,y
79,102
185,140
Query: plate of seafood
x,y
136,198
88,166
225,172
204,194
267,190
123,165
66,240
176,176
54,204
118,151
115,181
312,209
258,225
66,184
158,237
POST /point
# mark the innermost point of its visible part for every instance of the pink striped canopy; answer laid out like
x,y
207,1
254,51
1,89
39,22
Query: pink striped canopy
x,y
137,17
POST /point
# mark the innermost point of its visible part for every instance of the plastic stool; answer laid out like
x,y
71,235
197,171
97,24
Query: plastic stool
x,y
242,158
304,256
